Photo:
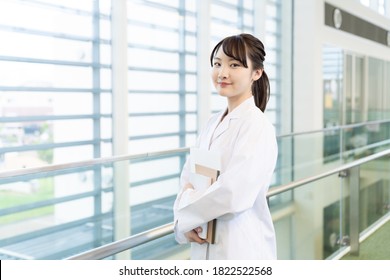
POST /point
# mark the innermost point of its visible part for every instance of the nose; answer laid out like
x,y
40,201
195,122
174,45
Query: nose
x,y
223,73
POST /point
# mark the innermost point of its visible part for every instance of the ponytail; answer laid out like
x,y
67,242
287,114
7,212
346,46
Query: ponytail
x,y
261,91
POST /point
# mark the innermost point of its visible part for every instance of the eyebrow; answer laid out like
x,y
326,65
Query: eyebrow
x,y
230,58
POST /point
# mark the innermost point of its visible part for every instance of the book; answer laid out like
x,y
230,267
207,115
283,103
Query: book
x,y
205,169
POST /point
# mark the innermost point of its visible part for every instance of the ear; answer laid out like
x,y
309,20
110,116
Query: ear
x,y
257,74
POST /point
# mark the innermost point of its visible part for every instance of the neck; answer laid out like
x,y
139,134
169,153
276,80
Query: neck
x,y
235,101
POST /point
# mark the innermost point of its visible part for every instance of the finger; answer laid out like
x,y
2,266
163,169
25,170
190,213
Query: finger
x,y
196,237
198,229
192,236
198,240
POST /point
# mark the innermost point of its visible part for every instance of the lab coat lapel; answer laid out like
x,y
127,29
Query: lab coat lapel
x,y
218,128
210,132
221,128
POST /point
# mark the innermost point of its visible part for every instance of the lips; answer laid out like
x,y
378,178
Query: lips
x,y
224,84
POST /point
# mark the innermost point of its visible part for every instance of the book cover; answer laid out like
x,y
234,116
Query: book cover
x,y
205,169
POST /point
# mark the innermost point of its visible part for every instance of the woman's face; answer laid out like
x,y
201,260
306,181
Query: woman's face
x,y
231,79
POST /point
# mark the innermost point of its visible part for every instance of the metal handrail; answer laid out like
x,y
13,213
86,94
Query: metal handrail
x,y
277,190
104,160
144,237
339,127
83,163
124,244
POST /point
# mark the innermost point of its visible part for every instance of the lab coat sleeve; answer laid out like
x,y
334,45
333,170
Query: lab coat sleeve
x,y
247,176
183,197
184,179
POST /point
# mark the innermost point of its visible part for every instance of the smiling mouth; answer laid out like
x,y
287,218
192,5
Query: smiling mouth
x,y
224,84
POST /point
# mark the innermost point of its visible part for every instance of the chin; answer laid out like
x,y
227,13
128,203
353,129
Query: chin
x,y
223,93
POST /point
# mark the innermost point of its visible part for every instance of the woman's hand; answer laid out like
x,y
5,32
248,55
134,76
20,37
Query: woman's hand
x,y
192,236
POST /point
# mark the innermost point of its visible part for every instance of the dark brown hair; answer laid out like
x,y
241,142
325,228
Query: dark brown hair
x,y
239,47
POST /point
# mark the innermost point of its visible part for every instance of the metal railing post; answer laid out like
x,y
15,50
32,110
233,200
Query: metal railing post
x,y
354,217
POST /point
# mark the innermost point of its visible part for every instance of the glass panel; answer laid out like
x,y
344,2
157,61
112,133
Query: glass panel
x,y
191,122
190,43
54,215
333,84
364,140
191,100
105,54
354,89
333,81
140,102
375,88
150,125
347,98
170,3
151,15
106,128
190,83
153,59
248,20
191,63
105,78
359,113
22,74
44,47
190,20
248,4
154,144
161,249
309,158
45,103
105,29
39,223
156,37
44,19
223,13
153,81
106,103
374,191
74,4
386,102
283,228
311,234
157,168
335,218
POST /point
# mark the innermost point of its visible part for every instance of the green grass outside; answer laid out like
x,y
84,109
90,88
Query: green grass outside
x,y
9,198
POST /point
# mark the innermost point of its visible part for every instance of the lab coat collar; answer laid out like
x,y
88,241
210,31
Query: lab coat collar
x,y
242,108
221,126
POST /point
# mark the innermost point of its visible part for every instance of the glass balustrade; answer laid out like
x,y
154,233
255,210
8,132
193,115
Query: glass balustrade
x,y
60,213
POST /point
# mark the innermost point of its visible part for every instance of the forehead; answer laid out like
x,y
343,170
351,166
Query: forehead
x,y
221,55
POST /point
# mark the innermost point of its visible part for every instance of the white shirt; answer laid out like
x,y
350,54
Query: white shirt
x,y
247,143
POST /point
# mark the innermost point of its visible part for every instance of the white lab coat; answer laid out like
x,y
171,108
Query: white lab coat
x,y
247,143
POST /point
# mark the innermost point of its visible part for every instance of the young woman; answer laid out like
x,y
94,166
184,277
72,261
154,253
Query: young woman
x,y
246,141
